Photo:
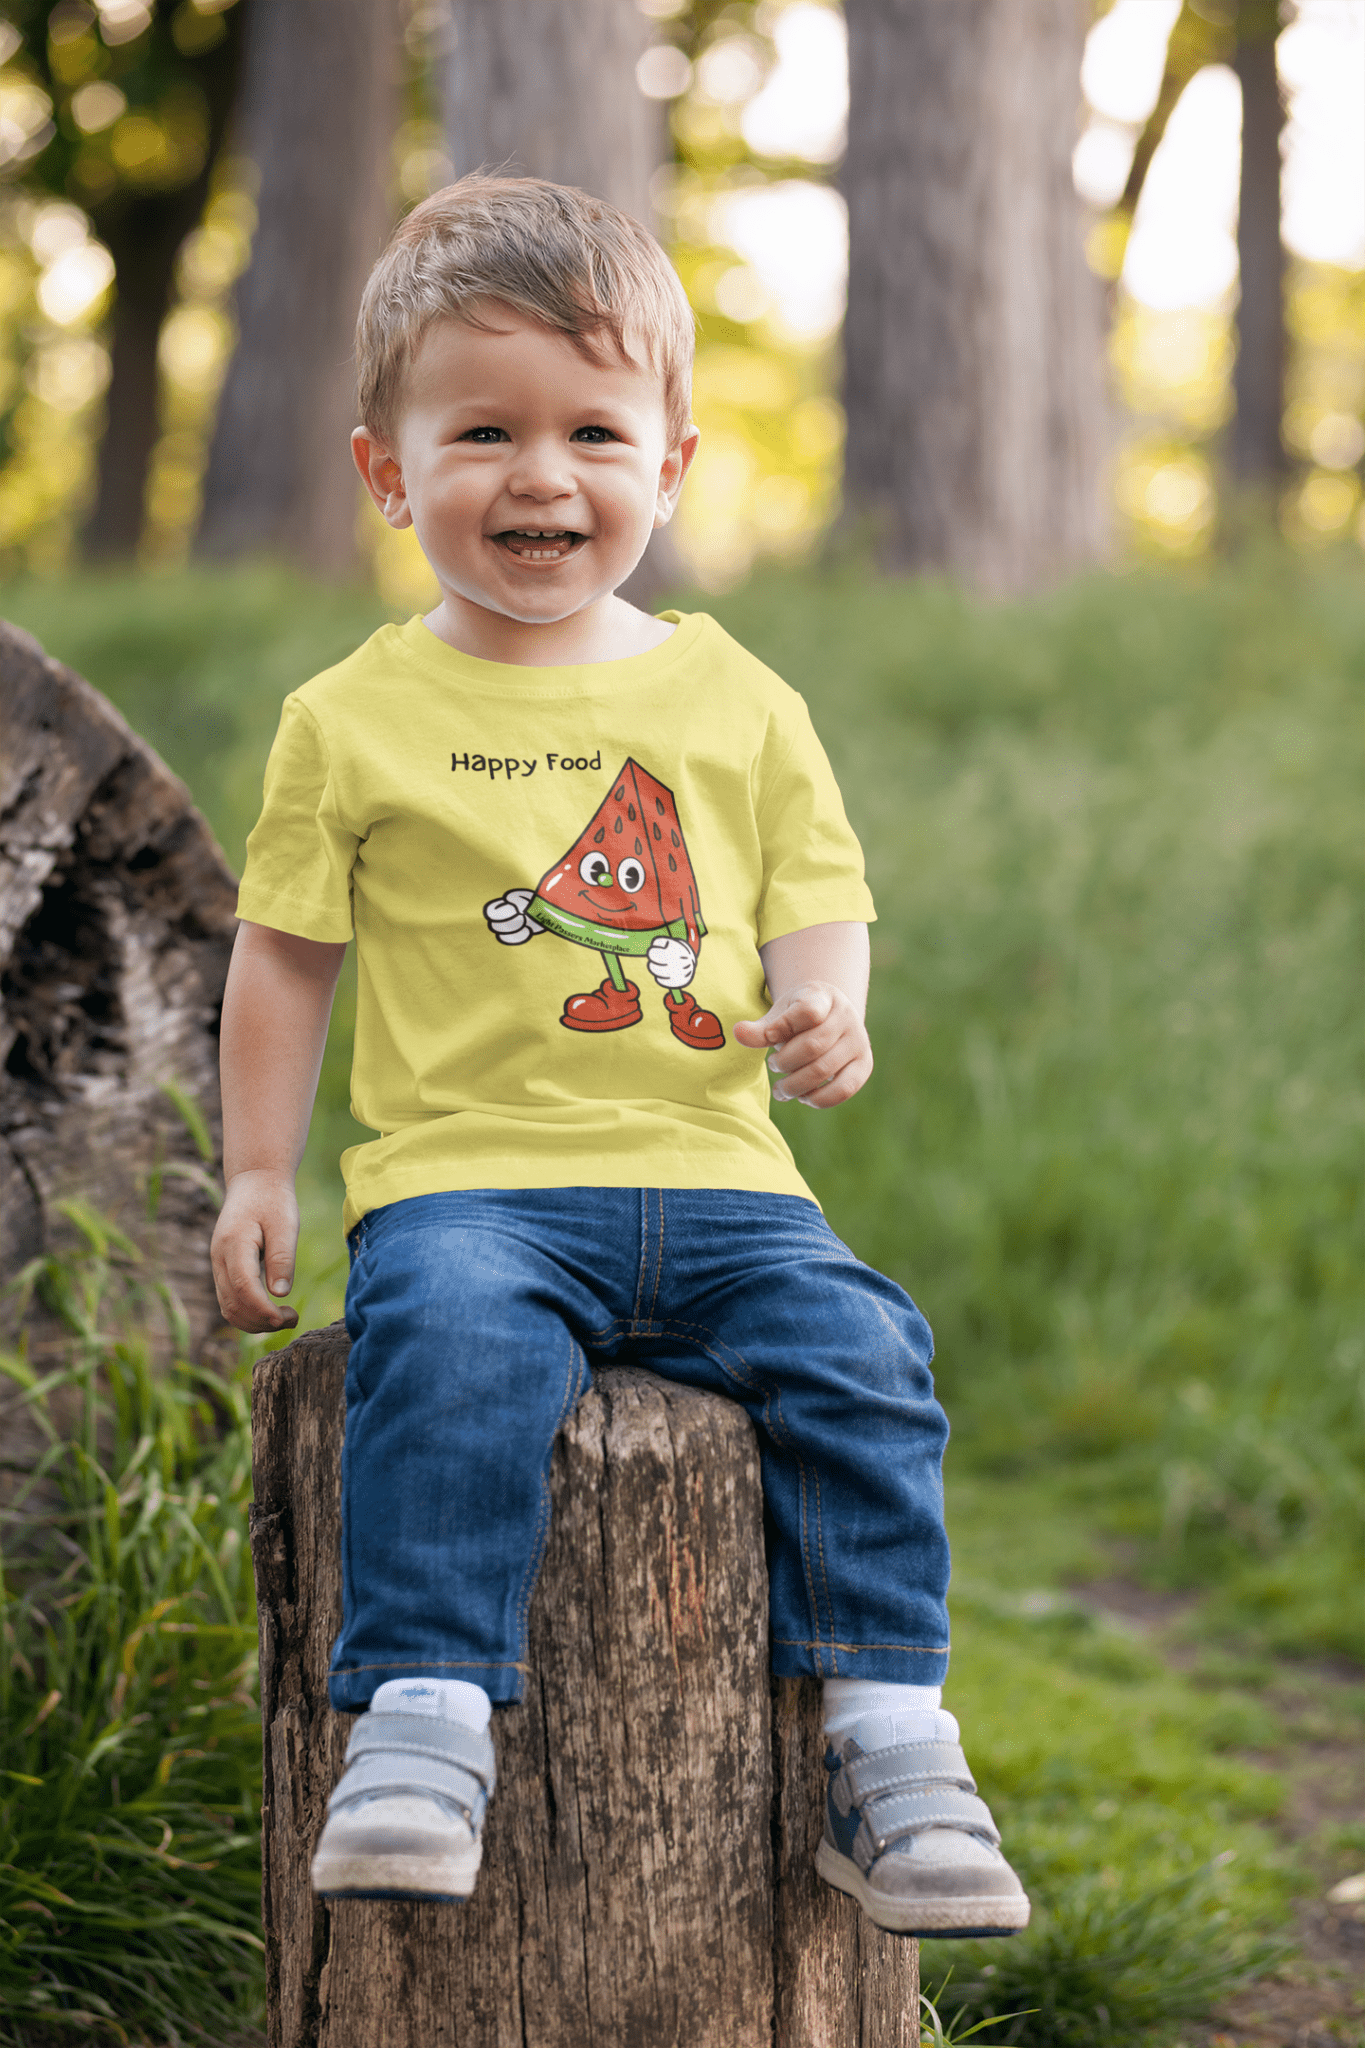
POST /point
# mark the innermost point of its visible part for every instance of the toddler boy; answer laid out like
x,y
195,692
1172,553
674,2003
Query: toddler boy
x,y
573,844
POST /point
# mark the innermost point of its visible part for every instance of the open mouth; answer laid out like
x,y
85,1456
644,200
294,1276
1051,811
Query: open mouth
x,y
529,545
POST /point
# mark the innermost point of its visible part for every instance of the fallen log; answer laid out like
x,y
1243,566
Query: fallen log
x,y
117,913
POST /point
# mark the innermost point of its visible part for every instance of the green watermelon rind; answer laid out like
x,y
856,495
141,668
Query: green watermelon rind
x,y
565,925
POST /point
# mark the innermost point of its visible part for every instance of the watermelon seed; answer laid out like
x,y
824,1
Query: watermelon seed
x,y
620,792
674,837
619,826
599,835
672,863
657,833
630,812
638,847
659,805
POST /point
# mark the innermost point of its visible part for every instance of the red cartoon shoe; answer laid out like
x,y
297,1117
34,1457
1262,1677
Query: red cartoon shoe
x,y
607,1008
693,1025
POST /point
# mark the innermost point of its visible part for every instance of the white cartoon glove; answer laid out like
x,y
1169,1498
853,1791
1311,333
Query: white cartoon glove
x,y
672,962
508,920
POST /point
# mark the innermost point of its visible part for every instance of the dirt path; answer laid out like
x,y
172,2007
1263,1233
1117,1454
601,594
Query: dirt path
x,y
1316,1999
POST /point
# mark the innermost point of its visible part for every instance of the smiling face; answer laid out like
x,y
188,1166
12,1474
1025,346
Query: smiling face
x,y
532,475
607,893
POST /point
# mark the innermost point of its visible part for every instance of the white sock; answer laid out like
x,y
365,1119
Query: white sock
x,y
901,1713
442,1699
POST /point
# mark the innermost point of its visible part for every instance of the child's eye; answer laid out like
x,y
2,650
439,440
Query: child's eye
x,y
484,435
594,436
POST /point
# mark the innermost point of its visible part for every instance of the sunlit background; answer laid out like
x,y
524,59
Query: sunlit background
x,y
751,212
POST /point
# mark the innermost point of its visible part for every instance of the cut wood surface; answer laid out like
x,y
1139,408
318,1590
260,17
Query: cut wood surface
x,y
647,1878
117,914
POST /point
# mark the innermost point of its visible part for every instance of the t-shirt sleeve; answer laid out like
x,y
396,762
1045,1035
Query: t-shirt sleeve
x,y
299,857
812,862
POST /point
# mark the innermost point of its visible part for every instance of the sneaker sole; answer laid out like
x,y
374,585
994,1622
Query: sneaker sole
x,y
449,1878
959,1919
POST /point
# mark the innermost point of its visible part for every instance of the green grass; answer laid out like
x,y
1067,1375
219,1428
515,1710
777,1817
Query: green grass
x,y
130,1764
1112,1146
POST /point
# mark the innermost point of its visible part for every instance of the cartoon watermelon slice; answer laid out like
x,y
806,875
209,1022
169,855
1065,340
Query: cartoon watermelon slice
x,y
627,879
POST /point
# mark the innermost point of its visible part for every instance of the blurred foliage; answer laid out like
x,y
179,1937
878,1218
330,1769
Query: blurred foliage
x,y
766,478
1173,375
129,1724
766,482
1173,369
108,120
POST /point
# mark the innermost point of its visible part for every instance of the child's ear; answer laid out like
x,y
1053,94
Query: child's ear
x,y
381,475
675,466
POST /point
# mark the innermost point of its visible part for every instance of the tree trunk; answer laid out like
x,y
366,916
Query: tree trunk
x,y
546,89
628,1897
319,113
115,523
1257,449
117,915
143,232
973,338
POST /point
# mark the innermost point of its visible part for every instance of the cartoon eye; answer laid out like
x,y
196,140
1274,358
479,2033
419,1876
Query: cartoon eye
x,y
631,875
596,869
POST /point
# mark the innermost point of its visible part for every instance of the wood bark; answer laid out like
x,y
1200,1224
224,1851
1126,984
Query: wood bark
x,y
117,915
545,89
319,113
647,1880
1257,447
973,337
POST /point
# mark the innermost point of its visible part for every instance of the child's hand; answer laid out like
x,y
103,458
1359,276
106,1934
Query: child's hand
x,y
253,1247
824,1054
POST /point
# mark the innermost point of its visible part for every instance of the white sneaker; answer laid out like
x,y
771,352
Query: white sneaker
x,y
906,1837
406,1818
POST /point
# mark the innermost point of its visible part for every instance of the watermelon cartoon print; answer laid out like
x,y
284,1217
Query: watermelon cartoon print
x,y
625,888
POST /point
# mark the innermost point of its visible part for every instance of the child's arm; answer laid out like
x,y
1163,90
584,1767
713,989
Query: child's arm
x,y
275,1013
818,981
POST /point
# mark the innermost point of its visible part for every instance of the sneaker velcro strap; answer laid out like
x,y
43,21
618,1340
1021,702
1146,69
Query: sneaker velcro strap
x,y
414,1735
383,1772
902,1768
910,1813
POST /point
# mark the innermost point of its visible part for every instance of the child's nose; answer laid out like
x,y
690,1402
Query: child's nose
x,y
542,470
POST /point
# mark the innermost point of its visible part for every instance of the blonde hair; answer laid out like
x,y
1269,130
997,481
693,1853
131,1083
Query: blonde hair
x,y
550,252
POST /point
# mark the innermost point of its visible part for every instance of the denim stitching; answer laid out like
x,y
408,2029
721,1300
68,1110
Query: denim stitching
x,y
436,1664
644,1253
659,1262
829,1604
776,1426
856,1649
573,1381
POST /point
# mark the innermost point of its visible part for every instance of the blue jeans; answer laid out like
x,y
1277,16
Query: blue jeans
x,y
474,1319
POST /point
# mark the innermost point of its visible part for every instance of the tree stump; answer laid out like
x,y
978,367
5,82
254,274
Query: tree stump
x,y
647,1878
117,914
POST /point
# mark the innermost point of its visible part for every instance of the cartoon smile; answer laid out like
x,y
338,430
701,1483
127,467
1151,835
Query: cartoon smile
x,y
607,909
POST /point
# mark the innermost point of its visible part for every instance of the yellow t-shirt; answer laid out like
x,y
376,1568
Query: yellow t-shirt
x,y
558,880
